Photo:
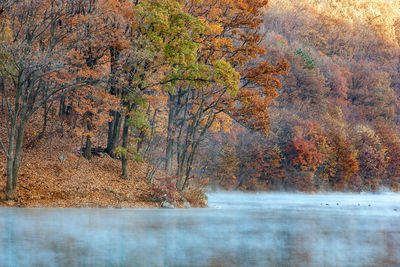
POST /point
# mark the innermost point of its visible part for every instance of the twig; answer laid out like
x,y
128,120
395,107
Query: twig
x,y
24,187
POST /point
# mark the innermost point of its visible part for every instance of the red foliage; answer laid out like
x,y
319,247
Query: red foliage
x,y
340,78
304,154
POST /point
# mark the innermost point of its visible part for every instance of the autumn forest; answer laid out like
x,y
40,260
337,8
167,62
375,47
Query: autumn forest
x,y
140,103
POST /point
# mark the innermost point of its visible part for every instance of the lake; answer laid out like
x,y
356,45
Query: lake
x,y
272,229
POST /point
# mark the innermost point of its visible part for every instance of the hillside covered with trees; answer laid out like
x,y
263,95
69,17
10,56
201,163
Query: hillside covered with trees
x,y
334,125
134,103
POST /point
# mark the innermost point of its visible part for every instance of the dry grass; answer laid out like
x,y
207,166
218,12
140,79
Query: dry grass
x,y
196,198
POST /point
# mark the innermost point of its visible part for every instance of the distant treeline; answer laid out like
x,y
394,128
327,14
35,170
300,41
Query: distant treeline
x,y
335,123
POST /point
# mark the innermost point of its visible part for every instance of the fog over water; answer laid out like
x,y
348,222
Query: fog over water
x,y
277,229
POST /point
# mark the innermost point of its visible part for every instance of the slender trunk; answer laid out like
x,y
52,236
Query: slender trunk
x,y
80,153
189,163
2,95
51,145
194,134
46,109
184,152
188,169
150,139
125,144
169,153
45,115
88,149
142,134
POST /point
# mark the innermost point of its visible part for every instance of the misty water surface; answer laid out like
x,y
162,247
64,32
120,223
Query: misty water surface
x,y
237,230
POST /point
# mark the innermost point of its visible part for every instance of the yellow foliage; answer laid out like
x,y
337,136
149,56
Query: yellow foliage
x,y
222,122
381,16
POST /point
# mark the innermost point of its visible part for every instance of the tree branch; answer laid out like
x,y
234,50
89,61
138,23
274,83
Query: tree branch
x,y
55,94
177,79
4,148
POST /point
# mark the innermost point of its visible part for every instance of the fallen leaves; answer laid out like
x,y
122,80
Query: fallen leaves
x,y
95,183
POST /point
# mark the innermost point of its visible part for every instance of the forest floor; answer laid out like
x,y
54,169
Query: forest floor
x,y
95,183
77,182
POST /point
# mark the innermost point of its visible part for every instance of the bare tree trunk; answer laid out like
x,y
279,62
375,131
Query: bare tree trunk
x,y
151,137
45,115
88,148
169,153
142,134
80,154
114,128
13,160
46,109
188,140
140,141
2,95
125,144
62,109
11,187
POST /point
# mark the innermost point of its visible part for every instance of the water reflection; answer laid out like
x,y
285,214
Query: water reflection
x,y
243,230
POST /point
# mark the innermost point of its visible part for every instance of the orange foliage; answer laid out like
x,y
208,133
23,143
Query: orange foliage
x,y
304,154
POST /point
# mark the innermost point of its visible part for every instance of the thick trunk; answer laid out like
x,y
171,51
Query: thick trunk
x,y
169,154
10,189
114,54
125,144
13,162
88,148
63,109
141,140
18,150
114,128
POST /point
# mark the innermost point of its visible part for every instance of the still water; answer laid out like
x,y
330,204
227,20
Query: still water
x,y
237,230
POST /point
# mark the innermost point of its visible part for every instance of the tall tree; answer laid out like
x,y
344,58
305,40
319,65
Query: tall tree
x,y
241,84
40,47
